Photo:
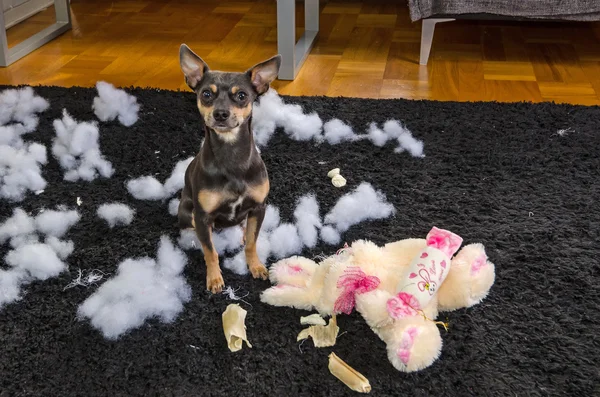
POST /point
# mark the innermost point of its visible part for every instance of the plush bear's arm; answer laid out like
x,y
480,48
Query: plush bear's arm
x,y
373,307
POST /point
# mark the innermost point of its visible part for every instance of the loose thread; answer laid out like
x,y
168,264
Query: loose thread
x,y
443,324
230,292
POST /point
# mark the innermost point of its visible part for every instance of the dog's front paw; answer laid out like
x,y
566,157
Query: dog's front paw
x,y
259,270
214,282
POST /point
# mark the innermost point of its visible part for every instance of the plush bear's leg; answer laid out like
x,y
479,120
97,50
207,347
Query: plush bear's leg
x,y
289,296
296,271
469,280
412,344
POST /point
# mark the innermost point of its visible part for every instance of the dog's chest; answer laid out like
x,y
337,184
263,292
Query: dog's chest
x,y
233,211
235,208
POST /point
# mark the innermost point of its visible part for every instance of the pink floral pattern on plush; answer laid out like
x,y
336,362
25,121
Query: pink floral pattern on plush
x,y
406,344
479,263
353,281
402,305
445,241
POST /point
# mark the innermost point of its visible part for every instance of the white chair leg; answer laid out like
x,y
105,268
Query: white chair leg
x,y
294,54
427,30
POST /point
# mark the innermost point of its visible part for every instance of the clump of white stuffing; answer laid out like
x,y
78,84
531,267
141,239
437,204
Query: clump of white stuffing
x,y
362,204
77,150
330,235
20,170
308,220
271,112
19,107
406,141
30,259
176,180
63,249
146,188
377,136
56,222
228,240
112,103
149,188
116,214
285,241
174,207
40,261
19,224
29,262
142,288
188,240
20,162
336,131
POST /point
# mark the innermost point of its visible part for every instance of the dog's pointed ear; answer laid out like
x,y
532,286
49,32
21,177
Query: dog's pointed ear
x,y
192,66
264,73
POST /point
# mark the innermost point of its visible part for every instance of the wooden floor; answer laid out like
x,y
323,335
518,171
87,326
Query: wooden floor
x,y
365,49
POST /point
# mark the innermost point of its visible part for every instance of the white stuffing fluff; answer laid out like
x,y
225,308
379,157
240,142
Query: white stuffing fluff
x,y
112,103
336,131
30,259
377,136
176,181
19,106
308,220
188,240
237,263
20,163
18,225
330,235
270,112
405,139
116,214
63,249
225,241
56,222
174,207
359,205
272,218
18,241
263,247
142,288
285,241
40,261
77,150
149,188
10,285
228,240
20,170
146,188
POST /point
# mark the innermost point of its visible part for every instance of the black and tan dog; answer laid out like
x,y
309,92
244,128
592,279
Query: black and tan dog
x,y
227,182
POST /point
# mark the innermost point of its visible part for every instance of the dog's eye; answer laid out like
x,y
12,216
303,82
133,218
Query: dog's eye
x,y
241,96
206,94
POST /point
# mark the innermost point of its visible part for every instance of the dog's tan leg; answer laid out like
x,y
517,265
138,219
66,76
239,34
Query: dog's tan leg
x,y
254,222
214,279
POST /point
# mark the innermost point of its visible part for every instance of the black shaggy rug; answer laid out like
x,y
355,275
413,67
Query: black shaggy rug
x,y
499,174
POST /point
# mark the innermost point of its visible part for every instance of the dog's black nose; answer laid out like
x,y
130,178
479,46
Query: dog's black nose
x,y
221,114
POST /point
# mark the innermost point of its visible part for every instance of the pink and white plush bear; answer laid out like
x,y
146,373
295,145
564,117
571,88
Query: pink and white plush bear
x,y
398,289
